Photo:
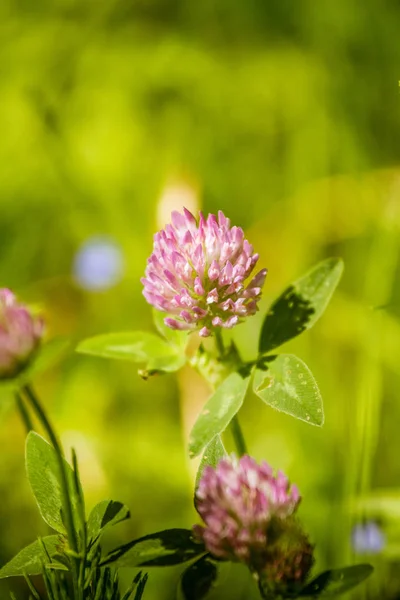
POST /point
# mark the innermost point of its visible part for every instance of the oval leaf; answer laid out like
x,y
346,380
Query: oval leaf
x,y
31,559
198,579
213,453
218,412
164,548
288,385
164,364
337,581
300,305
44,477
136,346
105,514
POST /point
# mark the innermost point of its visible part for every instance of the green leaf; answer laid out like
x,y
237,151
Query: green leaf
x,y
136,346
164,364
198,579
218,412
164,548
337,581
300,305
31,559
213,453
173,336
44,477
105,514
141,583
288,385
44,358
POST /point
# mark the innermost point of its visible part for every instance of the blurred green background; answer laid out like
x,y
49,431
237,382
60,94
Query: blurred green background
x,y
287,117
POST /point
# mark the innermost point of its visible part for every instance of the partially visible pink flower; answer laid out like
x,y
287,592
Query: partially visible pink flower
x,y
197,273
20,334
244,506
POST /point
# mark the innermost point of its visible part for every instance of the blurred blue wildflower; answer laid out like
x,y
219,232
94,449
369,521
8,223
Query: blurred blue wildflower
x,y
368,538
98,264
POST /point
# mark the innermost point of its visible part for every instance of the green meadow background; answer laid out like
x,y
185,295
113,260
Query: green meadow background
x,y
287,117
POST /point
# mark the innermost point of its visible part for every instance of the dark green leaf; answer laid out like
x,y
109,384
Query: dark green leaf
x,y
141,584
218,412
105,514
237,578
288,385
44,477
198,579
31,559
300,305
337,581
213,453
136,346
138,584
164,548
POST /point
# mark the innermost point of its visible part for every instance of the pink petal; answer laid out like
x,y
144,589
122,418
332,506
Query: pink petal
x,y
174,324
213,271
204,332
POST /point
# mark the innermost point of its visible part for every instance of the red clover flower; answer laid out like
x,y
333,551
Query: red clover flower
x,y
197,273
248,513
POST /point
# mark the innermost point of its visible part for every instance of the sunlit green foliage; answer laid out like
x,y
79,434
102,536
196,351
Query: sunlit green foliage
x,y
280,116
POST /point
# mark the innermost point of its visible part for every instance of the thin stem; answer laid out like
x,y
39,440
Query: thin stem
x,y
238,437
32,588
219,342
82,518
236,430
67,503
24,413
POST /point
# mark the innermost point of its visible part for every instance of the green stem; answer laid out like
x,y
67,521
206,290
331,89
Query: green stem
x,y
236,430
219,342
67,502
82,518
24,413
32,588
237,434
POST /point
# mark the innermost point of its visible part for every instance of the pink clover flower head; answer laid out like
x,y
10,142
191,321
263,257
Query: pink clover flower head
x,y
197,273
243,505
20,334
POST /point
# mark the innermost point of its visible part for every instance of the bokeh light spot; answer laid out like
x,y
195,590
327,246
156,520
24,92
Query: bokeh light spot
x,y
98,264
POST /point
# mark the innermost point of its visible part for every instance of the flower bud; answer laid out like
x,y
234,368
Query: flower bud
x,y
20,335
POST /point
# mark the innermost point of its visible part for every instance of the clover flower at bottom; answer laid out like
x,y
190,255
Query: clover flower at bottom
x,y
249,516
